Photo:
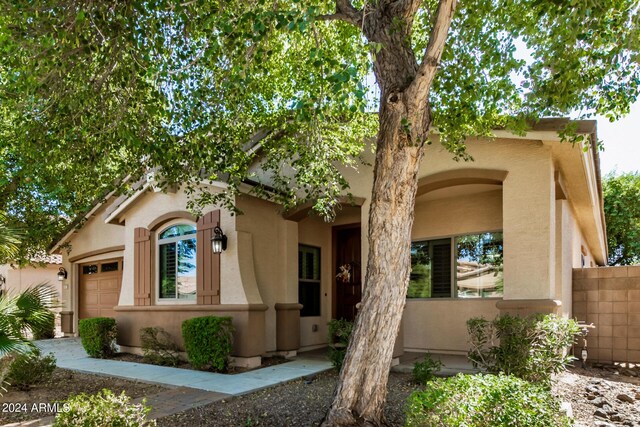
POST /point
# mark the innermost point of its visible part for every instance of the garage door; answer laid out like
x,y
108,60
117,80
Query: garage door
x,y
99,288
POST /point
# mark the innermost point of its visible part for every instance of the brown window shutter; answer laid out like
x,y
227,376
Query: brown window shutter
x,y
142,267
207,263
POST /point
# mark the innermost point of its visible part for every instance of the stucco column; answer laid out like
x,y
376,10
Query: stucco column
x,y
529,229
564,256
288,292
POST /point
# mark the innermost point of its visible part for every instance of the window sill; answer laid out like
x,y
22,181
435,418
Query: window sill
x,y
175,302
455,299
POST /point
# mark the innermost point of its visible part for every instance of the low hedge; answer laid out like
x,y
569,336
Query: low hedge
x,y
98,336
208,342
484,401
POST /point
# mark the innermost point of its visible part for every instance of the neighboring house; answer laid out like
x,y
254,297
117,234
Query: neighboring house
x,y
15,279
499,234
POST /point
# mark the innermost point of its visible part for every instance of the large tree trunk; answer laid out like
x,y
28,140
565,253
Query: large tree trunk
x,y
404,126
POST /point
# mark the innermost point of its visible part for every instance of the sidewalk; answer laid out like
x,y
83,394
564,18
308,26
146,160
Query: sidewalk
x,y
187,389
70,355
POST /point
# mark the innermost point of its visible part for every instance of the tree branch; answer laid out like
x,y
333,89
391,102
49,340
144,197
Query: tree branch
x,y
404,8
432,54
344,12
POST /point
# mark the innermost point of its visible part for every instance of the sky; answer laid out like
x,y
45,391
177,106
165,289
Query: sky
x,y
621,143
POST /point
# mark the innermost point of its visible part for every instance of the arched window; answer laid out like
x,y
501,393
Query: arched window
x,y
177,263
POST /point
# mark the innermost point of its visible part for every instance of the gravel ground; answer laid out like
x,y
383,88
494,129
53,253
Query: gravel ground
x,y
293,404
301,404
608,396
17,405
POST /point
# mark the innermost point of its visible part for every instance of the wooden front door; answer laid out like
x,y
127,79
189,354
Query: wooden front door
x,y
348,285
99,288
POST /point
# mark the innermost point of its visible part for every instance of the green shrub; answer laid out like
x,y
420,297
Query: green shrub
x,y
208,341
98,336
29,369
158,347
532,348
103,409
484,401
47,330
425,371
339,334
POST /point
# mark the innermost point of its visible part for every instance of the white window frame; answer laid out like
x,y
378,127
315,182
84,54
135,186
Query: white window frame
x,y
158,242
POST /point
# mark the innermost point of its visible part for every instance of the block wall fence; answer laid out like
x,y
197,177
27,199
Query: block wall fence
x,y
609,297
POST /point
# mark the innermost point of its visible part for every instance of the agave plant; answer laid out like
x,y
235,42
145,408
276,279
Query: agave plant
x,y
21,313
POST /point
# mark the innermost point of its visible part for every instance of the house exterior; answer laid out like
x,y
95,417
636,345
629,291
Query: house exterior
x,y
499,234
15,279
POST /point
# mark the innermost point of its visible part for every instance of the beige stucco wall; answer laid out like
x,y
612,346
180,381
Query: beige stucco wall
x,y
467,214
275,256
426,319
440,325
149,207
528,206
19,279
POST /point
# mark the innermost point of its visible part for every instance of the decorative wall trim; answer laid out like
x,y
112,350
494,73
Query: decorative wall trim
x,y
451,178
158,222
96,252
184,307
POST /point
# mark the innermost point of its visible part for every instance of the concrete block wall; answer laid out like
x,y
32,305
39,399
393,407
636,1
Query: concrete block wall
x,y
609,297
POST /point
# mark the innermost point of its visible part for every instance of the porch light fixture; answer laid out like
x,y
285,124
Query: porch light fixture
x,y
218,241
62,274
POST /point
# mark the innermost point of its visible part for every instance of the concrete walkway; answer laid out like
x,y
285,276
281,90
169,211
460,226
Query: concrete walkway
x,y
70,355
451,364
187,389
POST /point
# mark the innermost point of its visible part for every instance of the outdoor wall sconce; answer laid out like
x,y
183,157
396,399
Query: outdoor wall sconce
x,y
218,241
62,274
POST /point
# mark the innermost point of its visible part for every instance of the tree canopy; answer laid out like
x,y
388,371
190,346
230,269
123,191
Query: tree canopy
x,y
622,214
93,92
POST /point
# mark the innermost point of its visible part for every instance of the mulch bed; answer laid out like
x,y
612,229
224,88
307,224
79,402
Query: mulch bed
x,y
302,402
18,405
266,361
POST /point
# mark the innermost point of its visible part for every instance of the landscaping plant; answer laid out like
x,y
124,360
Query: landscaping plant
x,y
208,341
98,336
339,334
484,401
47,329
425,371
29,369
103,409
532,348
158,347
22,313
